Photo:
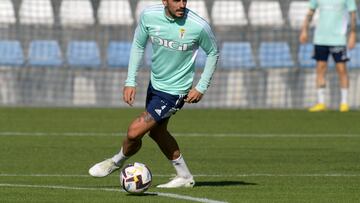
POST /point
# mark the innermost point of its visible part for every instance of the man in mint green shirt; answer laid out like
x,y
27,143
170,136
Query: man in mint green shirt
x,y
175,33
331,39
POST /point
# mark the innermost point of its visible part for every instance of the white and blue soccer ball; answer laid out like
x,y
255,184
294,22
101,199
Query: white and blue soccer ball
x,y
135,178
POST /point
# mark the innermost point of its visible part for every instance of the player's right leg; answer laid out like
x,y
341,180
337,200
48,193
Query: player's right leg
x,y
321,56
321,68
131,145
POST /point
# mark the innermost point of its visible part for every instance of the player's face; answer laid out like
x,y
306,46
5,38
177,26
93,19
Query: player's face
x,y
175,8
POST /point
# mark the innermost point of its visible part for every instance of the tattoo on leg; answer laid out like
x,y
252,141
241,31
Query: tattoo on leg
x,y
145,116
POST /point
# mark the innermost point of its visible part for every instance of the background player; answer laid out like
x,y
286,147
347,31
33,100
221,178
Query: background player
x,y
330,39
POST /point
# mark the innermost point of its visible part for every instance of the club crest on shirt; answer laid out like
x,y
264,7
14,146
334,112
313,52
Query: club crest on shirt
x,y
182,33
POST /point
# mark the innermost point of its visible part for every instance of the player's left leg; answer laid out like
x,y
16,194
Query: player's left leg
x,y
170,148
340,58
344,86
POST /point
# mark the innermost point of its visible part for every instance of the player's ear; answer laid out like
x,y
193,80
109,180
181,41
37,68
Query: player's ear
x,y
165,2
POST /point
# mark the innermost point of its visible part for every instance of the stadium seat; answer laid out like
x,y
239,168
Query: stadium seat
x,y
200,58
115,12
199,7
7,12
228,13
118,54
275,55
297,13
236,55
36,12
45,53
83,54
265,13
354,55
142,4
305,54
76,13
11,53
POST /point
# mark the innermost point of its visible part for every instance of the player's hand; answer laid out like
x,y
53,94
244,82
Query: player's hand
x,y
352,40
193,96
129,95
303,38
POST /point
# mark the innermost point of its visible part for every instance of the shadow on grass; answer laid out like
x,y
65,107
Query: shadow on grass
x,y
221,183
142,194
198,184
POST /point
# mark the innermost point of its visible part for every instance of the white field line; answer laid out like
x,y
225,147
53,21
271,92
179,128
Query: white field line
x,y
195,175
101,134
170,195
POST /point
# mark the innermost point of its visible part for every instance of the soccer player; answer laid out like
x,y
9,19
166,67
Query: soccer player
x,y
176,33
330,39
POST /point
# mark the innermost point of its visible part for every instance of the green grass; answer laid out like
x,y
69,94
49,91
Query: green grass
x,y
235,155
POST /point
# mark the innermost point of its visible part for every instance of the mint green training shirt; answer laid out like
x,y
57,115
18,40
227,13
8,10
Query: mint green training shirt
x,y
175,43
331,28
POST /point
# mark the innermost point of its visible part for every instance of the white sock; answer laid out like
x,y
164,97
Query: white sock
x,y
180,167
119,158
344,95
321,95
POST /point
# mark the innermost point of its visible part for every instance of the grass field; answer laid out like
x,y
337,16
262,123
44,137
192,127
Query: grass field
x,y
235,155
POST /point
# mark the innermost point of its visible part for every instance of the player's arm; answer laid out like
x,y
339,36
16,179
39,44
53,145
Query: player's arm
x,y
207,42
303,38
135,61
352,34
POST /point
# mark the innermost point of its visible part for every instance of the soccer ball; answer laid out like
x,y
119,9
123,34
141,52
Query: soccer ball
x,y
135,178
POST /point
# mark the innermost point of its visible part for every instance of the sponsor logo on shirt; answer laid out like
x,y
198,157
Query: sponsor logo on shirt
x,y
170,44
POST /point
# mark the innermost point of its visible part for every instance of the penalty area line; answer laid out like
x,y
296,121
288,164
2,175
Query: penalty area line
x,y
169,195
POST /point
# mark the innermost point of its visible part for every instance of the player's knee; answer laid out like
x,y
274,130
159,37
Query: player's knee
x,y
133,134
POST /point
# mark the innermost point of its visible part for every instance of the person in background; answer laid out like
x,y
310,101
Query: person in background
x,y
330,38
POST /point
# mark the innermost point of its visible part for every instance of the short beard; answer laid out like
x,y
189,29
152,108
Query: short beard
x,y
172,14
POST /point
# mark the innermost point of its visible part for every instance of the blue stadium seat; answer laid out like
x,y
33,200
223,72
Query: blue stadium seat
x,y
200,58
118,54
305,54
275,55
236,55
11,53
83,54
354,56
45,53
